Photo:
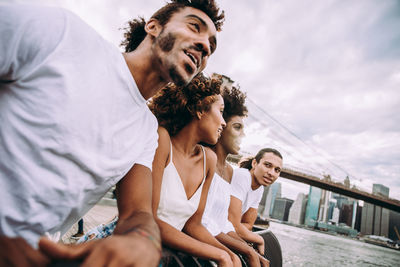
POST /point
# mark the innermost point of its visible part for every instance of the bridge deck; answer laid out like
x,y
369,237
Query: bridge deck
x,y
341,189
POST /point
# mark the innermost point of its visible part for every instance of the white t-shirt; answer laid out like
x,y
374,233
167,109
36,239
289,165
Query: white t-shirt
x,y
72,120
241,189
215,216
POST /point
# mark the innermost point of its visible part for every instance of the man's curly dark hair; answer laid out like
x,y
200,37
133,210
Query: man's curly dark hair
x,y
175,107
234,103
135,32
234,99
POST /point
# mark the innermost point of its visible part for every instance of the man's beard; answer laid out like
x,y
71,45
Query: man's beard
x,y
176,77
166,42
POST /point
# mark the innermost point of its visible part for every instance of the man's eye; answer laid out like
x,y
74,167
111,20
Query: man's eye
x,y
196,26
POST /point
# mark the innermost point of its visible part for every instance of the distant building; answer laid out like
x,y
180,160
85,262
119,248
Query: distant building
x,y
357,224
281,209
380,190
267,202
335,215
332,205
346,214
394,225
324,206
375,219
367,219
346,182
298,209
261,206
340,200
348,209
312,208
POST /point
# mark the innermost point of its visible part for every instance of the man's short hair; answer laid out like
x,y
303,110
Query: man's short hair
x,y
135,32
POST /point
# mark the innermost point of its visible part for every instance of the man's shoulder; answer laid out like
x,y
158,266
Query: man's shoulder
x,y
241,172
241,177
151,129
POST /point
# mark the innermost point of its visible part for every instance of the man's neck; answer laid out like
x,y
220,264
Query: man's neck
x,y
254,184
146,76
221,156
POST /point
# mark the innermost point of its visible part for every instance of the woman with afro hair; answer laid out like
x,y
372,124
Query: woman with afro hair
x,y
183,169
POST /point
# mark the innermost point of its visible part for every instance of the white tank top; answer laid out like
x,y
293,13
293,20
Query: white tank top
x,y
174,208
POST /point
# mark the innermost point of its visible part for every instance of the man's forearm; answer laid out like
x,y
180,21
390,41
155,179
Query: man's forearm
x,y
139,220
247,235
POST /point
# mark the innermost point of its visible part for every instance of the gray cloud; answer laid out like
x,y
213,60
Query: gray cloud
x,y
329,71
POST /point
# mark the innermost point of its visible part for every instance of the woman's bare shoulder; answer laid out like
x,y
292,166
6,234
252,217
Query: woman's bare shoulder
x,y
211,158
210,154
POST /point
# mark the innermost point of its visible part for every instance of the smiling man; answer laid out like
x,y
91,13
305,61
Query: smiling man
x,y
74,122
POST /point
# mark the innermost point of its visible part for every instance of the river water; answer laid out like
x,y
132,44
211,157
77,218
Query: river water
x,y
301,247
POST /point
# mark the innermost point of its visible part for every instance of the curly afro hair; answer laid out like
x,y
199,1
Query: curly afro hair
x,y
234,103
175,107
135,32
234,99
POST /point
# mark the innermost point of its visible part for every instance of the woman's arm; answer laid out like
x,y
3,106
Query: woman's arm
x,y
193,226
171,236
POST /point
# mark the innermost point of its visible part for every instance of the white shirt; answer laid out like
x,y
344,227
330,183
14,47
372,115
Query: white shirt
x,y
72,120
215,216
241,189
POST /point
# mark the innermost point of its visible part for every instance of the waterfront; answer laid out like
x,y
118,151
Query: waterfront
x,y
302,247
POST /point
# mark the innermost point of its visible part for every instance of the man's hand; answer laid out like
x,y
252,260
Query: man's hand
x,y
17,252
260,245
264,262
116,250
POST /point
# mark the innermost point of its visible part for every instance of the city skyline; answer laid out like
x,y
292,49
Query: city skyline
x,y
324,210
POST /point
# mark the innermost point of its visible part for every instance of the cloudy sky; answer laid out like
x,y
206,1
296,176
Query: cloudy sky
x,y
322,79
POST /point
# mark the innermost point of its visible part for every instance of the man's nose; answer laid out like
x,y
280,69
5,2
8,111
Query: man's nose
x,y
203,46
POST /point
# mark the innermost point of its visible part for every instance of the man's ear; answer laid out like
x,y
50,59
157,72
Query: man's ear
x,y
153,27
253,163
199,114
